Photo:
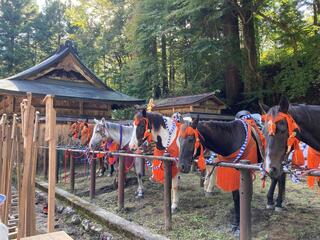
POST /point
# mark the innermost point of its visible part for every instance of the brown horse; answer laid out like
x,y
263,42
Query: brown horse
x,y
81,133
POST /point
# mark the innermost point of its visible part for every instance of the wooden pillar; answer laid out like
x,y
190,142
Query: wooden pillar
x,y
9,169
245,202
32,217
167,194
27,124
50,136
92,178
72,171
121,177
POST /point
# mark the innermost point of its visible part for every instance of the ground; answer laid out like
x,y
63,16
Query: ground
x,y
201,217
71,221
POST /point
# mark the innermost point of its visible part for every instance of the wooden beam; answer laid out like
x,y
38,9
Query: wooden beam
x,y
50,136
27,116
35,144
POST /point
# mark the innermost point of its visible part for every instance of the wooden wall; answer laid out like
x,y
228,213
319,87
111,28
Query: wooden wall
x,y
10,104
207,106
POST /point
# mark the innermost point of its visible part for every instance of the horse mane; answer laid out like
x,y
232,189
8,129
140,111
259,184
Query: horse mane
x,y
228,128
156,120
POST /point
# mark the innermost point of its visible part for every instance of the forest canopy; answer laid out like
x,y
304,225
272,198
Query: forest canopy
x,y
243,50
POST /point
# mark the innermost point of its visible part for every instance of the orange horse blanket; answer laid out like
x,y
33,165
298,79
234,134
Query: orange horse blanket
x,y
157,165
313,162
228,179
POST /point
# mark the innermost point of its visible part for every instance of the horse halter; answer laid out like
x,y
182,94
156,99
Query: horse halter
x,y
293,127
194,132
147,136
101,129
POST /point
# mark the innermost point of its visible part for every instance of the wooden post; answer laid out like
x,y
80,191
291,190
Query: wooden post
x,y
50,136
245,202
27,116
121,176
4,122
18,160
92,178
32,217
167,193
3,156
45,163
9,173
57,165
72,171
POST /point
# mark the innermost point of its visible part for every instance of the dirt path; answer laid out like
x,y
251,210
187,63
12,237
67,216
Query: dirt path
x,y
200,217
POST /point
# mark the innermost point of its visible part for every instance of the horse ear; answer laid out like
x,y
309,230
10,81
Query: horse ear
x,y
103,120
195,122
144,113
283,104
264,108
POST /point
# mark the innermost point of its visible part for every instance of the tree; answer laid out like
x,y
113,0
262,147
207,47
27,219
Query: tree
x,y
16,18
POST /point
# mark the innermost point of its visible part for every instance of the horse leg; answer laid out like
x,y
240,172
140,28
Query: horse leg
x,y
111,170
139,172
236,220
209,181
175,196
102,169
281,191
270,203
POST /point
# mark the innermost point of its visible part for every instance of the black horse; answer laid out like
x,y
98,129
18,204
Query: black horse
x,y
307,118
223,138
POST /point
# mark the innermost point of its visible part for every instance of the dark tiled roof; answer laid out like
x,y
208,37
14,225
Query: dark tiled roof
x,y
65,89
43,84
186,100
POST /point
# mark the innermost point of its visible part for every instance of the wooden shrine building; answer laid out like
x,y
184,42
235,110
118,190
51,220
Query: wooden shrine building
x,y
78,92
206,105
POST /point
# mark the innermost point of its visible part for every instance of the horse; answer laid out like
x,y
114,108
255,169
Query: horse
x,y
157,128
232,141
121,135
80,133
286,124
153,126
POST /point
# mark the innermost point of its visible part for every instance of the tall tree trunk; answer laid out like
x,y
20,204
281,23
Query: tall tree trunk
x,y
155,70
252,81
172,69
186,63
232,50
316,13
165,87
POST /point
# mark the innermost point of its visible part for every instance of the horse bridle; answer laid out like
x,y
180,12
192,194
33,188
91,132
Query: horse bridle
x,y
147,136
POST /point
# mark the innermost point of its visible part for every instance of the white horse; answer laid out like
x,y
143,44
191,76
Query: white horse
x,y
121,135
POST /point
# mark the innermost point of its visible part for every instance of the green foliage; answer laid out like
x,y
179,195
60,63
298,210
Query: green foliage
x,y
120,40
123,114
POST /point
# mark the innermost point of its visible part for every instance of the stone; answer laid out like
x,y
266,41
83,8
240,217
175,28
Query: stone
x,y
68,211
75,220
60,209
86,224
70,230
40,197
96,228
105,236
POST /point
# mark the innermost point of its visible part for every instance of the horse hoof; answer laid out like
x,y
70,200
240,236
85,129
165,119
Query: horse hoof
x,y
208,194
236,231
278,209
174,210
139,196
270,206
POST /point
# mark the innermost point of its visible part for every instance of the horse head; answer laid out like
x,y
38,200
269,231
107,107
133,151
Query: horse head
x,y
99,133
277,131
189,144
